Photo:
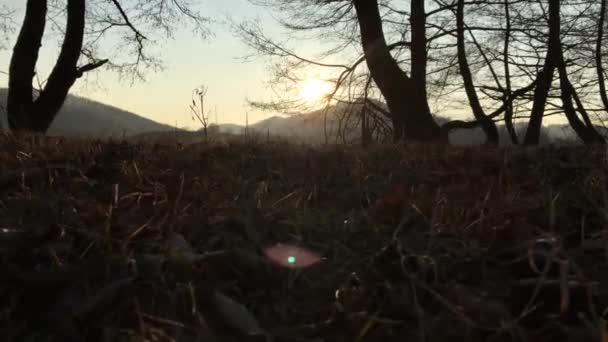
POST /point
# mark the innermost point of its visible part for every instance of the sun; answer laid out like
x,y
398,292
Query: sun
x,y
313,90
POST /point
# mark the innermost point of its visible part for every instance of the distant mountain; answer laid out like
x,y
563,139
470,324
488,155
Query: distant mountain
x,y
231,128
84,117
309,128
558,134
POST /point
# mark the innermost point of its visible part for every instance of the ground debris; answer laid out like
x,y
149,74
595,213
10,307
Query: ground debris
x,y
122,241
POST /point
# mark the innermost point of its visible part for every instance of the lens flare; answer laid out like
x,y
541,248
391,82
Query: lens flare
x,y
291,256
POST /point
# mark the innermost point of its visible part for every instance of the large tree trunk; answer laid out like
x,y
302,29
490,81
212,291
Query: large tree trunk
x,y
418,47
65,72
407,102
23,113
488,126
583,128
23,64
545,77
555,59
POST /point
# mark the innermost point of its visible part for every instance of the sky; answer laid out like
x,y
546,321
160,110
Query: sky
x,y
189,62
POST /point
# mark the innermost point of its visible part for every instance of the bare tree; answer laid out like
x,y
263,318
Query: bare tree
x,y
23,112
601,75
36,114
405,96
555,60
486,123
507,70
503,58
545,77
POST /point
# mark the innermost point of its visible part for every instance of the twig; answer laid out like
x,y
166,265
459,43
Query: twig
x,y
162,320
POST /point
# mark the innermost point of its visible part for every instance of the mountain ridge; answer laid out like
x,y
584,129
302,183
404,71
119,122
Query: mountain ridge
x,y
81,116
84,117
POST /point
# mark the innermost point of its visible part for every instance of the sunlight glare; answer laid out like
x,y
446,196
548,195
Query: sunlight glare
x,y
313,90
291,256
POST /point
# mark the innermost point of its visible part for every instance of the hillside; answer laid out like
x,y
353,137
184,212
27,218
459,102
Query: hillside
x,y
111,241
87,118
309,128
84,117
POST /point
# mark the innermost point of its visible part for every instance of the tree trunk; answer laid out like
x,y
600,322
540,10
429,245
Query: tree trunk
x,y
407,103
366,136
545,77
584,129
488,126
25,114
23,64
509,89
418,47
598,55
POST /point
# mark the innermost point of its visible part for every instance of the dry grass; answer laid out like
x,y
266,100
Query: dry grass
x,y
419,243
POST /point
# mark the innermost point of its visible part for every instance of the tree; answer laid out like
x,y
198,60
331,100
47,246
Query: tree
x,y
598,55
507,70
23,112
405,96
545,77
555,60
429,51
36,113
486,123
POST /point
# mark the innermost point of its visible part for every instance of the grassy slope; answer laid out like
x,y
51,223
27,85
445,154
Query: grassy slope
x,y
458,225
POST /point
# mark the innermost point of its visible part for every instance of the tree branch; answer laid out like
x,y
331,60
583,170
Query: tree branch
x,y
124,15
89,67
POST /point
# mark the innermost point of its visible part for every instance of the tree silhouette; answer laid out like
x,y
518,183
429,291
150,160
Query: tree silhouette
x,y
35,112
500,56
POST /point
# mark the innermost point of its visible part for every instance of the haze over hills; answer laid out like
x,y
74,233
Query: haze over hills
x,y
309,128
84,117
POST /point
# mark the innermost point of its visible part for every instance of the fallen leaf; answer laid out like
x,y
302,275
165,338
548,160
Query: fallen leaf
x,y
235,316
104,299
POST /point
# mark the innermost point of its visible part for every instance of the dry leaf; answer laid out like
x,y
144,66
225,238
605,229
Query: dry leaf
x,y
235,315
104,299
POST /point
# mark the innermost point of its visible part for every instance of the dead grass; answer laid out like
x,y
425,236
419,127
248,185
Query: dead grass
x,y
117,241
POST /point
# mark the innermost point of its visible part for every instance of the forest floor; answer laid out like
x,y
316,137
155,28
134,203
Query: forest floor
x,y
122,241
